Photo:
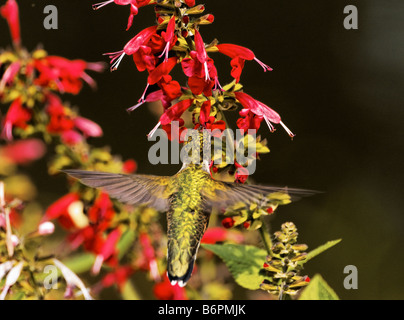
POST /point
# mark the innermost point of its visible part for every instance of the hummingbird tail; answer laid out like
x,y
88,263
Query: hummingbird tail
x,y
184,238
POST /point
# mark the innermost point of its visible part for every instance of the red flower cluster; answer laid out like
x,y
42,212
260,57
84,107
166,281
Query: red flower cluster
x,y
87,230
176,40
71,128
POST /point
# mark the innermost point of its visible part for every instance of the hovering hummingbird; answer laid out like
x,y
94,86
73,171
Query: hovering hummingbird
x,y
188,198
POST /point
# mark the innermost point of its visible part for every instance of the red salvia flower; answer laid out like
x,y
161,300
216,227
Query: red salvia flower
x,y
242,53
60,207
9,75
169,37
10,12
17,116
261,110
108,250
66,74
131,47
134,7
173,113
87,127
201,55
149,255
23,151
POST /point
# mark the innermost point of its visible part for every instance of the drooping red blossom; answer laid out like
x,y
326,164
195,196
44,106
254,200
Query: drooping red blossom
x,y
60,207
165,291
239,54
71,137
87,127
134,7
24,151
9,75
17,116
10,12
131,47
173,113
66,74
151,97
108,251
161,70
261,110
169,37
201,53
149,255
118,277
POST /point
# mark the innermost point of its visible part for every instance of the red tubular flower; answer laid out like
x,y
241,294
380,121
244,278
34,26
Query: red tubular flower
x,y
158,73
9,75
169,37
24,151
66,74
10,12
149,255
239,54
261,110
108,250
134,7
173,113
88,127
17,116
131,47
60,207
201,55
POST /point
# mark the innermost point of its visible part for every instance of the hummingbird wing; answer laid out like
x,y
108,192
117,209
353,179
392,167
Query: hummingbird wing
x,y
130,189
225,194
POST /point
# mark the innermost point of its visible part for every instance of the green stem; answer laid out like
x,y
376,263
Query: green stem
x,y
265,237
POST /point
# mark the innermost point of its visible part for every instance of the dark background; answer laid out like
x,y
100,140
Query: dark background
x,y
340,91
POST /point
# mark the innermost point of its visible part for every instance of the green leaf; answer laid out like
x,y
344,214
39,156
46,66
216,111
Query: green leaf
x,y
318,289
321,249
125,243
80,263
244,262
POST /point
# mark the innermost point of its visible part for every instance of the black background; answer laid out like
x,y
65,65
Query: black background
x,y
340,91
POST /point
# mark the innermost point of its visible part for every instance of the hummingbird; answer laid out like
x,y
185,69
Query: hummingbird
x,y
188,198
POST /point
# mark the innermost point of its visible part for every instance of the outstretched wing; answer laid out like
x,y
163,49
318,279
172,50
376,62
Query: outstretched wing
x,y
129,189
225,194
